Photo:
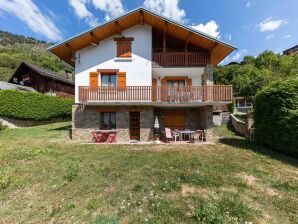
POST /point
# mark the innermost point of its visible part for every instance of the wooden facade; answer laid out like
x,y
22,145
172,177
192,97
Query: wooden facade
x,y
42,81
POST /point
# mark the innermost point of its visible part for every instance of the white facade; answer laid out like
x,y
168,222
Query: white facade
x,y
139,71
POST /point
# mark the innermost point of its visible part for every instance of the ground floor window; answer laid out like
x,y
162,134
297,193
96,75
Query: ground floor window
x,y
108,120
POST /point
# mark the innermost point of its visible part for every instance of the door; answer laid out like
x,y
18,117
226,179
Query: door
x,y
134,128
174,120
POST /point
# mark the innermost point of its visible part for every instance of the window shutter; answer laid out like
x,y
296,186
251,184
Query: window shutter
x,y
93,80
154,90
188,82
124,47
163,89
121,79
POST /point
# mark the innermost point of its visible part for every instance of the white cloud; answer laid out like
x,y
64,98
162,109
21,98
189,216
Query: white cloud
x,y
228,36
211,28
288,36
82,12
270,37
237,56
248,4
168,8
112,8
30,14
270,25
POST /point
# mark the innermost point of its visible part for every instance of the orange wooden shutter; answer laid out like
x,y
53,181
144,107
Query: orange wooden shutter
x,y
124,49
93,81
121,77
189,82
163,89
154,90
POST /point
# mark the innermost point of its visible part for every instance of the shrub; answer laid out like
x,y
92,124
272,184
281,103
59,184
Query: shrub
x,y
231,106
276,116
33,106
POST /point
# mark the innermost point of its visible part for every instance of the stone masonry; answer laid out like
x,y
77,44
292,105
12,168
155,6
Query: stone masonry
x,y
84,121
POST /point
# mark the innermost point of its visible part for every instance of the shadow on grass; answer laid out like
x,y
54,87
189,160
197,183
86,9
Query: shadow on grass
x,y
63,128
242,143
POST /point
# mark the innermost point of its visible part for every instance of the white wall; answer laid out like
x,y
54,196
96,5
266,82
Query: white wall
x,y
194,73
138,69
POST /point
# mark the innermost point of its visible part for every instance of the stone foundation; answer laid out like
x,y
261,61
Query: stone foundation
x,y
89,119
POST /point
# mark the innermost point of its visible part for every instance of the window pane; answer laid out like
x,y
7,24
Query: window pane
x,y
113,120
169,83
105,80
113,80
182,83
104,121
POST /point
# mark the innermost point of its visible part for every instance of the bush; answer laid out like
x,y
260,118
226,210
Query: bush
x,y
33,106
231,106
276,116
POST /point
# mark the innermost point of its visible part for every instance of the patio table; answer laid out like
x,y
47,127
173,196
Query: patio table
x,y
189,133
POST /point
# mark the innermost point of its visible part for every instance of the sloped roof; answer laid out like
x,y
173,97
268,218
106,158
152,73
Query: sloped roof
x,y
41,71
65,49
7,86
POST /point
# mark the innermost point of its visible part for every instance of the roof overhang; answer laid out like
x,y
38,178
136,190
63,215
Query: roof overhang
x,y
66,49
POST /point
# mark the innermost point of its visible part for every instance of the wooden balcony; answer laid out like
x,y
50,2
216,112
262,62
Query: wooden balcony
x,y
156,95
180,58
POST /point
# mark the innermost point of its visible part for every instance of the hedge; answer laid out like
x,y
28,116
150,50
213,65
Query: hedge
x,y
276,116
33,106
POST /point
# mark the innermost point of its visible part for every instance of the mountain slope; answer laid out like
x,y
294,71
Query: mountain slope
x,y
17,48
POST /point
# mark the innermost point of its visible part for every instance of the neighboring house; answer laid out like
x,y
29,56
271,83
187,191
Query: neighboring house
x,y
42,80
292,50
11,86
243,104
139,67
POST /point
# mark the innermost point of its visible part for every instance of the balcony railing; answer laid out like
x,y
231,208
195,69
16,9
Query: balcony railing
x,y
180,58
149,94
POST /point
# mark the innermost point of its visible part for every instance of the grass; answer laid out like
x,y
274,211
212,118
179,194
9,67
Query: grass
x,y
44,178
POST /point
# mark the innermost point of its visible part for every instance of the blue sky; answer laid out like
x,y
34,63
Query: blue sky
x,y
251,25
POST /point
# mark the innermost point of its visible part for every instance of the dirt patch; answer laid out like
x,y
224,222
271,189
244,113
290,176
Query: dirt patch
x,y
188,190
256,184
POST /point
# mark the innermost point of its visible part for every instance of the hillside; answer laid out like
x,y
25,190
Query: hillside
x,y
17,48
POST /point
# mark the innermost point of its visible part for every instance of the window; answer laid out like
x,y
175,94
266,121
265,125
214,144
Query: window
x,y
109,79
108,120
124,47
176,83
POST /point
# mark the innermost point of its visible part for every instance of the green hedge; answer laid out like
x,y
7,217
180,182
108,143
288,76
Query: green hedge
x,y
276,116
33,106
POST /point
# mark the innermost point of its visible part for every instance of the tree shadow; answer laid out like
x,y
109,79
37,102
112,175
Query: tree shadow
x,y
67,128
243,143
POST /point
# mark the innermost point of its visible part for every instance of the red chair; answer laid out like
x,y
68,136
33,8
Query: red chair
x,y
112,137
96,138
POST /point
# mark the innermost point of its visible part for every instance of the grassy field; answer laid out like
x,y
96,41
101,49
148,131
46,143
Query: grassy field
x,y
44,178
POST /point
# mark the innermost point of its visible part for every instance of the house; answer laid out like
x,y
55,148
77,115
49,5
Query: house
x,y
42,80
243,104
292,50
141,67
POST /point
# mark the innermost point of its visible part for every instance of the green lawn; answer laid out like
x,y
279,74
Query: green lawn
x,y
44,178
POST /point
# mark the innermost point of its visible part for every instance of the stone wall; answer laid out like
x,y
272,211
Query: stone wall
x,y
16,123
87,120
239,126
146,124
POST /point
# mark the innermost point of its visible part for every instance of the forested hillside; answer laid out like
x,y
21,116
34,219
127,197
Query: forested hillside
x,y
17,48
253,73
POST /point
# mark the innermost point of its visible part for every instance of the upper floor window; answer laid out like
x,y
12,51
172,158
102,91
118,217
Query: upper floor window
x,y
123,47
109,79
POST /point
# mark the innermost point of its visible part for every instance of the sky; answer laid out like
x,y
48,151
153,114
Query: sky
x,y
252,26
